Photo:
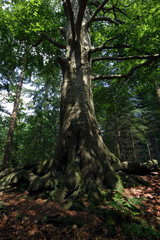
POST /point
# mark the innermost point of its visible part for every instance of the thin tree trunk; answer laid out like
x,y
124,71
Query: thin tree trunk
x,y
133,146
149,151
157,148
157,90
158,94
118,145
8,146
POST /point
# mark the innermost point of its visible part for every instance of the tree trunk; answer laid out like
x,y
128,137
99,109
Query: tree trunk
x,y
8,146
157,148
158,94
133,145
118,143
149,151
81,153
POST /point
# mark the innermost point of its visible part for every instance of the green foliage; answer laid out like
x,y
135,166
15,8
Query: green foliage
x,y
126,206
122,106
51,194
24,18
126,214
143,231
125,111
2,205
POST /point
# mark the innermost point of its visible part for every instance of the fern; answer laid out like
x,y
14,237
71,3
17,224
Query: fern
x,y
146,231
128,206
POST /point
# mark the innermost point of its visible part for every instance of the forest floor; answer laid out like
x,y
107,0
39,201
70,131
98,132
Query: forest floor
x,y
21,216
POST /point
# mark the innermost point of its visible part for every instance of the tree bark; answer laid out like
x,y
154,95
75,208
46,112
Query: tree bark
x,y
157,148
158,94
81,150
149,151
8,146
118,143
133,146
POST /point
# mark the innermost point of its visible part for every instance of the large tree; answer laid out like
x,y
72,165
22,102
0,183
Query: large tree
x,y
91,32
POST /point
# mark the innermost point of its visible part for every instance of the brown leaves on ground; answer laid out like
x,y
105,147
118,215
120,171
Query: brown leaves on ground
x,y
151,195
20,216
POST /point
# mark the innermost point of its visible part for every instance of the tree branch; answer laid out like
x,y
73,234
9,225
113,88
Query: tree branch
x,y
130,73
127,58
106,19
123,11
37,43
114,13
96,49
96,12
117,46
71,16
82,8
106,10
59,45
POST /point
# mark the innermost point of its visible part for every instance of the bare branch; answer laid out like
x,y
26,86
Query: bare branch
x,y
59,45
97,11
127,58
81,14
130,73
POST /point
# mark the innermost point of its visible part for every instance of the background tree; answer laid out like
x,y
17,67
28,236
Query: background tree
x,y
37,130
8,147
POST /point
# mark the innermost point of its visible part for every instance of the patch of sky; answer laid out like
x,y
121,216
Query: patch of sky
x,y
7,105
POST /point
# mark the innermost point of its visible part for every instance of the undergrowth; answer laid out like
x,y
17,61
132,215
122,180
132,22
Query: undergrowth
x,y
129,213
117,210
127,206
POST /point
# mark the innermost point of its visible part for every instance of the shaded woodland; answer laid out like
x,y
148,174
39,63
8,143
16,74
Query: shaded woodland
x,y
80,119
